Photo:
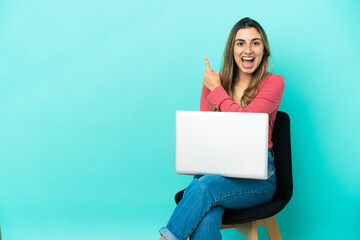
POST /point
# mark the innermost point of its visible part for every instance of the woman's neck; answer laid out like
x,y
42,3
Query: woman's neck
x,y
243,80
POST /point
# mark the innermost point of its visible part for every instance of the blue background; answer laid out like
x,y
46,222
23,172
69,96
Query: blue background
x,y
88,94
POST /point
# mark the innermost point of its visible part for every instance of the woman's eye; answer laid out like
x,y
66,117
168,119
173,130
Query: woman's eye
x,y
256,43
240,44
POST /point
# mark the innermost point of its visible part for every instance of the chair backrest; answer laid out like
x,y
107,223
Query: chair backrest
x,y
282,150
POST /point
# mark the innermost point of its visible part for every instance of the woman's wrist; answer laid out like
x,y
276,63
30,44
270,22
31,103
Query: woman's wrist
x,y
214,87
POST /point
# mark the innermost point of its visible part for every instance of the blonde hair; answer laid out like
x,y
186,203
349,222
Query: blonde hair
x,y
229,68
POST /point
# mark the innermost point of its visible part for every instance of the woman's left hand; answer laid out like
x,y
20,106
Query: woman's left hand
x,y
211,78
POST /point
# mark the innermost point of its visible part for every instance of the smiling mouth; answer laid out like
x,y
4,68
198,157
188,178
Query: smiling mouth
x,y
247,59
248,62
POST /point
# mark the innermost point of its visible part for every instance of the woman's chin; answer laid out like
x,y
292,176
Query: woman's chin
x,y
247,71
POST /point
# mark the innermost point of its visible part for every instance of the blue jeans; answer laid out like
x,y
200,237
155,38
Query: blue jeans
x,y
199,213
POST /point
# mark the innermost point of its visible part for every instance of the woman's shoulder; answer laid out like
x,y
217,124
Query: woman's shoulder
x,y
273,79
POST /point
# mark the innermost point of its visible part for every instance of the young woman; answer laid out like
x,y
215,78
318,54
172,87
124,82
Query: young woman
x,y
243,85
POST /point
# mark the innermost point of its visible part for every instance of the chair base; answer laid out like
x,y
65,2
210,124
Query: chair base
x,y
249,230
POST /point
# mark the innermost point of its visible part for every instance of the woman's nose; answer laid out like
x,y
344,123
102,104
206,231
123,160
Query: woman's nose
x,y
248,49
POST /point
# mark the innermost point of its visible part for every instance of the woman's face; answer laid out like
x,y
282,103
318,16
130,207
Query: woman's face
x,y
248,50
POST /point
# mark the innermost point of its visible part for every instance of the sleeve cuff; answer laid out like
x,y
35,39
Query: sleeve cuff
x,y
217,96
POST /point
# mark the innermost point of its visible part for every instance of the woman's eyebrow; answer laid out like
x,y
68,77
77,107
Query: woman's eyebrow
x,y
239,39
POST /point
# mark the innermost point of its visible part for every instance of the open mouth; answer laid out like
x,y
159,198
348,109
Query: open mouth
x,y
248,62
249,59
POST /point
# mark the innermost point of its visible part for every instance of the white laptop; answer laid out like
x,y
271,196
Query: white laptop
x,y
229,144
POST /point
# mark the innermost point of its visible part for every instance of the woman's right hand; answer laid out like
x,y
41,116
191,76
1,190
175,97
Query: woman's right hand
x,y
211,77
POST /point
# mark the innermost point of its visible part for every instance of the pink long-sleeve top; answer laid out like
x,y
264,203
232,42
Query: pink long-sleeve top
x,y
266,100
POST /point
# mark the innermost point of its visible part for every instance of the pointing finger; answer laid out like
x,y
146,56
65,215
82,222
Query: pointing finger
x,y
207,64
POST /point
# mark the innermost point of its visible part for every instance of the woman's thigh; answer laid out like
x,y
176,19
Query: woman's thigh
x,y
237,193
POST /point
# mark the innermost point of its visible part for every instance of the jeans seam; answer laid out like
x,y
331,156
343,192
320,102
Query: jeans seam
x,y
203,215
239,193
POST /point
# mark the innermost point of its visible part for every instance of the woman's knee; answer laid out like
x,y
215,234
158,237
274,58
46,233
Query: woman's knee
x,y
205,189
210,183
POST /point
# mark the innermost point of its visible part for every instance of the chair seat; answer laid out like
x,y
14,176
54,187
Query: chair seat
x,y
232,216
255,213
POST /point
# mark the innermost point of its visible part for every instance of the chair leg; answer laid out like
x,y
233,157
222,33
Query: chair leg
x,y
249,230
272,228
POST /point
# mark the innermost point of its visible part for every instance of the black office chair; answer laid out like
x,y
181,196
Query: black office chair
x,y
246,220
